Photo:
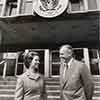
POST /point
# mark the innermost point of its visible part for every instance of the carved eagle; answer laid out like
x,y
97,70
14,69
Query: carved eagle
x,y
49,4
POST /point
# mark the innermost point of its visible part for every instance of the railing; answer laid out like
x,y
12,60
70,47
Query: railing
x,y
5,67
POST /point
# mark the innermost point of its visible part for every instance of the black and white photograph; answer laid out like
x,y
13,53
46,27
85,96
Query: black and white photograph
x,y
49,49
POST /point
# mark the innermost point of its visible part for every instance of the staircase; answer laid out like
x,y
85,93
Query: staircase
x,y
7,88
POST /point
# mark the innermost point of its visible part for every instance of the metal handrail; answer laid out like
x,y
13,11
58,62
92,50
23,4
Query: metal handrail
x,y
5,67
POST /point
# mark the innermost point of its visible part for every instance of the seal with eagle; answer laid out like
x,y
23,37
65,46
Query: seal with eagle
x,y
50,8
49,4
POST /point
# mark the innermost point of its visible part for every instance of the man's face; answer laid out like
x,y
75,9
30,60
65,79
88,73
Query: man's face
x,y
65,54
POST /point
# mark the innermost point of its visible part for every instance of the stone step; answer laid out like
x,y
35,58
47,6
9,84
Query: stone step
x,y
7,82
53,92
52,83
49,85
7,91
53,87
11,97
6,97
7,86
8,78
97,83
49,92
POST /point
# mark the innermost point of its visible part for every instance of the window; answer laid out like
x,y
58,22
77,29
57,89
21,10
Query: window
x,y
76,6
78,54
98,4
27,7
1,0
11,8
0,9
1,6
92,4
10,63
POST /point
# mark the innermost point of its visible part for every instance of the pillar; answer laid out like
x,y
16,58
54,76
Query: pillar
x,y
85,5
47,62
86,57
3,8
4,70
98,57
16,64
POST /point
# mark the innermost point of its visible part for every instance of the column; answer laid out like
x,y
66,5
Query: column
x,y
98,4
0,38
19,6
5,65
26,51
4,70
85,5
3,8
47,63
86,57
16,64
98,57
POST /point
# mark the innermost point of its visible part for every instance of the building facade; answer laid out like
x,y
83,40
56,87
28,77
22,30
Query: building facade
x,y
49,61
25,7
12,62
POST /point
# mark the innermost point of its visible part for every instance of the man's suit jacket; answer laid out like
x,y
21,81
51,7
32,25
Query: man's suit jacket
x,y
30,87
77,84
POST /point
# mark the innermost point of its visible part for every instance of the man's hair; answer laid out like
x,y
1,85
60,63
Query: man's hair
x,y
29,57
67,46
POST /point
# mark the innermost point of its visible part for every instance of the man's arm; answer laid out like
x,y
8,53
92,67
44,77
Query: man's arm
x,y
87,82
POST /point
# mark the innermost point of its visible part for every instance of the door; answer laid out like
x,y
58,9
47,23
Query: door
x,y
94,58
55,63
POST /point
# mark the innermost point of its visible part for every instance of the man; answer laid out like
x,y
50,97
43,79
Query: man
x,y
75,79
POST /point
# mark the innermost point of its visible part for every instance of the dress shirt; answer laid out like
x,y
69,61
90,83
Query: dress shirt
x,y
66,66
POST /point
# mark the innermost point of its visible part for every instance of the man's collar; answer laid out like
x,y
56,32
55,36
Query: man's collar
x,y
70,61
31,75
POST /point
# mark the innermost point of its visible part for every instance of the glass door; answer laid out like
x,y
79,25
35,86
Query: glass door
x,y
55,63
94,61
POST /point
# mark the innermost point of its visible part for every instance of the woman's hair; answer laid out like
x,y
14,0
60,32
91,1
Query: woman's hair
x,y
29,57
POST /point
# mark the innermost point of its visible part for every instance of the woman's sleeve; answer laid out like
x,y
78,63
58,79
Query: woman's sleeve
x,y
19,93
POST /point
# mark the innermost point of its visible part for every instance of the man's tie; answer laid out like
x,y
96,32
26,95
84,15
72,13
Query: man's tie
x,y
65,70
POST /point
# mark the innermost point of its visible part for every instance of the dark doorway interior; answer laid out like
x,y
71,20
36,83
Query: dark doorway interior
x,y
41,66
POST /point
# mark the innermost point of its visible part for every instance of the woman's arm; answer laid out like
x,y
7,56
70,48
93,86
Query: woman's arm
x,y
19,94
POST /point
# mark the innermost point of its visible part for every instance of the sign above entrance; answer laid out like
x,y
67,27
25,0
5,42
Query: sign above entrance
x,y
50,8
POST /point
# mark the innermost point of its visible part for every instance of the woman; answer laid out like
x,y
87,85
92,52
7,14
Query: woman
x,y
30,85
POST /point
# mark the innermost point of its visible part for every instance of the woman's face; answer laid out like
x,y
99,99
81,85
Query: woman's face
x,y
35,62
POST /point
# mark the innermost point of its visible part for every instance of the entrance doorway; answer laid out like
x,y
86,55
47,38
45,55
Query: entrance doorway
x,y
41,65
94,58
